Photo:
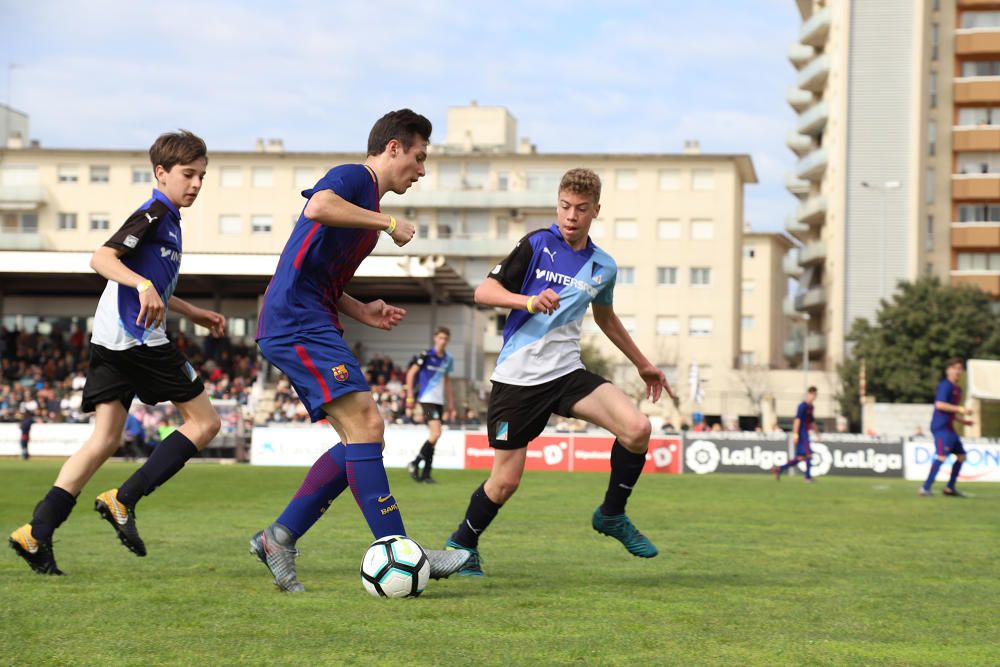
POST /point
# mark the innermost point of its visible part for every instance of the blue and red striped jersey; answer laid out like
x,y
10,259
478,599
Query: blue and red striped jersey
x,y
318,261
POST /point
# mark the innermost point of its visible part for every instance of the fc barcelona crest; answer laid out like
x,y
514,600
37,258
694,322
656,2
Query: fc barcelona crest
x,y
340,373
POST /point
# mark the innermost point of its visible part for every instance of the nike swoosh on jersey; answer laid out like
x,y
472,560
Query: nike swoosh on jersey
x,y
382,499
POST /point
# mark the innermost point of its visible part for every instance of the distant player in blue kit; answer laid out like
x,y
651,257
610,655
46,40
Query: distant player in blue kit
x,y
947,398
548,281
430,373
801,428
299,331
130,355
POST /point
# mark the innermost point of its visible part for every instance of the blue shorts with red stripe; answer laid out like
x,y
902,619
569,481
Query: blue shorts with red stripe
x,y
802,449
318,363
947,442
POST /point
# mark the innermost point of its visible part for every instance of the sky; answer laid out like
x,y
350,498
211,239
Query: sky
x,y
579,76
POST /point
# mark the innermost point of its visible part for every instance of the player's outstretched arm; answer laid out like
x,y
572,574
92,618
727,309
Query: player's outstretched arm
x,y
492,293
211,320
107,262
376,314
607,320
328,208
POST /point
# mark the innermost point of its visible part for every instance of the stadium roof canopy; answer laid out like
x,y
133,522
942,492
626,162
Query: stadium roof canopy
x,y
395,278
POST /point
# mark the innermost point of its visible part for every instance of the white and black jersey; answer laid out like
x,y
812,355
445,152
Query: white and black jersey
x,y
151,241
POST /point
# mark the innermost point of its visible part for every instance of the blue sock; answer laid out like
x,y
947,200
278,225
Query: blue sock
x,y
323,483
955,467
809,467
370,486
935,466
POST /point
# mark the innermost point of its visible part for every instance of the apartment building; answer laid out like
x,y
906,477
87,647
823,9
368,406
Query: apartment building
x,y
673,222
895,175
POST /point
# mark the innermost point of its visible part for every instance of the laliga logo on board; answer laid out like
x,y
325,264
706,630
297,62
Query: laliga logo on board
x,y
662,456
553,454
822,460
702,457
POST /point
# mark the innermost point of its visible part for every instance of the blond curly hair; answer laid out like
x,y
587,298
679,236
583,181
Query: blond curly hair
x,y
582,182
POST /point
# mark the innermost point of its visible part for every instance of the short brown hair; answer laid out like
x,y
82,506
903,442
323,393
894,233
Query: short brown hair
x,y
582,182
400,125
181,147
954,361
445,330
811,390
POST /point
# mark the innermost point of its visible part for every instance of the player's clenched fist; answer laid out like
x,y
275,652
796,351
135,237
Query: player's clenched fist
x,y
403,232
547,302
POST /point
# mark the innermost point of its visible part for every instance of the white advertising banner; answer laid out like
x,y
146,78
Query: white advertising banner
x,y
301,445
45,439
982,463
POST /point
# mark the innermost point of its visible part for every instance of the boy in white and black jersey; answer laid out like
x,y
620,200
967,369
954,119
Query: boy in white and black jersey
x,y
548,282
130,355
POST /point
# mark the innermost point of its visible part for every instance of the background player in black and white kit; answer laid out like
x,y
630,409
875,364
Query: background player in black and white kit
x,y
131,355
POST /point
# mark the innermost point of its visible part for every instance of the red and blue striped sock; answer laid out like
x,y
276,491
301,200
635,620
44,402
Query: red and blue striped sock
x,y
323,483
370,486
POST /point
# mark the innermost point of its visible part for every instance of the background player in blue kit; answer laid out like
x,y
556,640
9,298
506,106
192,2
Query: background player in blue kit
x,y
548,281
802,427
131,355
430,373
947,398
299,331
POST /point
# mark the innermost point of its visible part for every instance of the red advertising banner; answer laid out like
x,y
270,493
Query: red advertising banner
x,y
585,453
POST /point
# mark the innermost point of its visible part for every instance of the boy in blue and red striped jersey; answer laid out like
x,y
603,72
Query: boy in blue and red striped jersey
x,y
299,331
946,406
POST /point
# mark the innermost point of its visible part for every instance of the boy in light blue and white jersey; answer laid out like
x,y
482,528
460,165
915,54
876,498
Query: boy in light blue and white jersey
x,y
548,281
429,371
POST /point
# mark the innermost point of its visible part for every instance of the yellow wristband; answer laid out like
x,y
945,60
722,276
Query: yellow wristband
x,y
409,400
530,304
392,226
144,285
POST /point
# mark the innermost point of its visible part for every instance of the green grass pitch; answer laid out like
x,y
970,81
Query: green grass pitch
x,y
849,571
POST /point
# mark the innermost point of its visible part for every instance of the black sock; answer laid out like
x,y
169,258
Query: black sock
x,y
625,470
50,513
481,512
427,452
167,459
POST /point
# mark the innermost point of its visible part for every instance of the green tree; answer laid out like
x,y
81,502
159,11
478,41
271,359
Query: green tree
x,y
905,351
594,361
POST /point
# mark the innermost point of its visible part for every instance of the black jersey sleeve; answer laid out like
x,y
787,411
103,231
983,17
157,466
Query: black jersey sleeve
x,y
130,234
512,269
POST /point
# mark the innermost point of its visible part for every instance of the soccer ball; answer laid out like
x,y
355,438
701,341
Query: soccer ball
x,y
395,567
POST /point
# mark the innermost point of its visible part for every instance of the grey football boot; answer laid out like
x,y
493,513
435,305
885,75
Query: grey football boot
x,y
274,546
446,563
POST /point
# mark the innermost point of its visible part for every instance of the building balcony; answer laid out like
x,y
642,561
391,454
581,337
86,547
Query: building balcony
x,y
966,138
812,211
799,54
813,120
813,166
987,281
813,76
474,199
977,42
22,241
796,185
977,90
794,227
799,143
816,343
790,263
788,307
21,197
984,235
453,247
812,253
975,187
815,30
812,299
799,99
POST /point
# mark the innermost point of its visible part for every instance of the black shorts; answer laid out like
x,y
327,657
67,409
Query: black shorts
x,y
516,414
432,411
155,374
